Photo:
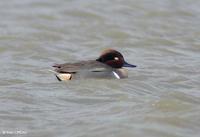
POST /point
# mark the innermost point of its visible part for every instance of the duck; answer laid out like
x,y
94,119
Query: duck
x,y
109,65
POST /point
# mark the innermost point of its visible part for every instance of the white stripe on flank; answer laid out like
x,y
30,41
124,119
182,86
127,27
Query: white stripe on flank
x,y
116,75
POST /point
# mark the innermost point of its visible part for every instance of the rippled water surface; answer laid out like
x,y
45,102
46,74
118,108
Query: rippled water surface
x,y
161,97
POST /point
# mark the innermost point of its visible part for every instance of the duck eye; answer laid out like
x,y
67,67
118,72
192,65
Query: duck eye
x,y
116,58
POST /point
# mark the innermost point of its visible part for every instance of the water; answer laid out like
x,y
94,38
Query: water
x,y
161,97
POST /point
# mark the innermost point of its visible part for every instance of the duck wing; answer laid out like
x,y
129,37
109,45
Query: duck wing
x,y
91,66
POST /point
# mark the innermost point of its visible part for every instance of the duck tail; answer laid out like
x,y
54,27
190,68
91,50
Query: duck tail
x,y
62,76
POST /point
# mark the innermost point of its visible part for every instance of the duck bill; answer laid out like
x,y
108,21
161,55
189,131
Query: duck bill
x,y
128,65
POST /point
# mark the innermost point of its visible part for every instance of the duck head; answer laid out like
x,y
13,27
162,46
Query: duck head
x,y
114,59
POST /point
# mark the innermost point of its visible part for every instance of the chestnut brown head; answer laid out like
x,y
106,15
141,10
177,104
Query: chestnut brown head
x,y
114,59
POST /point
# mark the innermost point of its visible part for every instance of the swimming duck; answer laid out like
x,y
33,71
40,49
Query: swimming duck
x,y
109,65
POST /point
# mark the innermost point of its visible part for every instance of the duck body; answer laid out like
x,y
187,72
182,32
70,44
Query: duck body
x,y
108,65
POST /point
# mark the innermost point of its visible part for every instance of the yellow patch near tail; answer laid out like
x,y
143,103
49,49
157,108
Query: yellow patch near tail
x,y
64,76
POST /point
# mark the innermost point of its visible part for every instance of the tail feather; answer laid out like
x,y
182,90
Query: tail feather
x,y
56,66
58,78
62,76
